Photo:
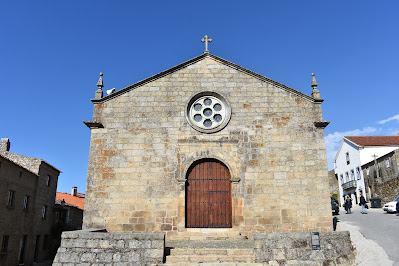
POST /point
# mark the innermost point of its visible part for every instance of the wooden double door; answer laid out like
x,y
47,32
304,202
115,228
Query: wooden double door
x,y
208,195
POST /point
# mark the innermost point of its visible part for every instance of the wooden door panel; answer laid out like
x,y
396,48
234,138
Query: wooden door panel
x,y
208,195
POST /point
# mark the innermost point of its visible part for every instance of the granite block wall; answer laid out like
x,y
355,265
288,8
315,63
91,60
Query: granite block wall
x,y
101,248
296,249
386,187
276,156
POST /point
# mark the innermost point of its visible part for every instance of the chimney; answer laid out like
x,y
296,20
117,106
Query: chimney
x,y
4,145
74,191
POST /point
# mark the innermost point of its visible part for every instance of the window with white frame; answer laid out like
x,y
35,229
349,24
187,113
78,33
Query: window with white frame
x,y
352,174
347,176
358,173
347,158
342,178
388,163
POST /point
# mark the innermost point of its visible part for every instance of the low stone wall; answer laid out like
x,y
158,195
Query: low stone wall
x,y
83,248
296,249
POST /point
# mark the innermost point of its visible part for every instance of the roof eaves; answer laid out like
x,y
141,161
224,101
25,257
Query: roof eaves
x,y
339,150
69,205
17,164
150,79
265,79
197,59
31,158
352,142
43,161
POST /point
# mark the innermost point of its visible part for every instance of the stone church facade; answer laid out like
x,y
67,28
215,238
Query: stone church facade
x,y
204,145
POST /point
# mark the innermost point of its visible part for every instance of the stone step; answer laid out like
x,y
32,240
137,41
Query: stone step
x,y
192,251
210,258
210,244
204,237
212,263
212,252
206,234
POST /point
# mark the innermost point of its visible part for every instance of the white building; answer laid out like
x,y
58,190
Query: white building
x,y
352,154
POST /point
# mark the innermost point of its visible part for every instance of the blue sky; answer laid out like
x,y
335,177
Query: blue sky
x,y
51,53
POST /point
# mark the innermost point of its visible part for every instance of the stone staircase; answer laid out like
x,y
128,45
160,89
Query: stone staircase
x,y
210,252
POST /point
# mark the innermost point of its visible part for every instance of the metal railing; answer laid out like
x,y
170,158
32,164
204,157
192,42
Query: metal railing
x,y
349,184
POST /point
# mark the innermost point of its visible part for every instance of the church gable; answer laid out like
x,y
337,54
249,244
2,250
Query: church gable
x,y
214,64
168,93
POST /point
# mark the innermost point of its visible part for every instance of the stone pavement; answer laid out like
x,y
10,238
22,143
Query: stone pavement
x,y
369,252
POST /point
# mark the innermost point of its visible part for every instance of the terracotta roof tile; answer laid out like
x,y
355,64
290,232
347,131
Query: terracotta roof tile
x,y
78,201
375,140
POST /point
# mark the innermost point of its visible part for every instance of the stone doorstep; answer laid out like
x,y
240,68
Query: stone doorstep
x,y
210,264
210,244
210,258
180,251
206,234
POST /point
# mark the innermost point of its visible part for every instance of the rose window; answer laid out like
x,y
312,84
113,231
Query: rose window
x,y
208,112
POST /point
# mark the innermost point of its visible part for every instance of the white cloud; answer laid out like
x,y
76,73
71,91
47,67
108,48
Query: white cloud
x,y
391,131
395,117
334,139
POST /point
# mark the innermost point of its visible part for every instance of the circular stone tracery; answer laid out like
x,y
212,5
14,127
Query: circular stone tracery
x,y
208,112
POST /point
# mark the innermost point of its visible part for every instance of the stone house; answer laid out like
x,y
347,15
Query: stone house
x,y
353,153
69,209
206,145
383,184
28,187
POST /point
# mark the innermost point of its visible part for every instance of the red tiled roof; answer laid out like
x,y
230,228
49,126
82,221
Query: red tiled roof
x,y
78,201
375,140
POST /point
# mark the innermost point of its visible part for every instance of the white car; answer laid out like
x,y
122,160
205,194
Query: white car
x,y
391,206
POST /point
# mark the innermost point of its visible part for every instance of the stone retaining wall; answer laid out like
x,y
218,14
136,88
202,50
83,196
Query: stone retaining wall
x,y
388,191
83,248
296,249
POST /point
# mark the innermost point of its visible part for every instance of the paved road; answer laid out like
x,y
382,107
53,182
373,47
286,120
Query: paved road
x,y
377,226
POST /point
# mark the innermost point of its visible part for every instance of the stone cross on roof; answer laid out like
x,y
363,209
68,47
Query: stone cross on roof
x,y
206,39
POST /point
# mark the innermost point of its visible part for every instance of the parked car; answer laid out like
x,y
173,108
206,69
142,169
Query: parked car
x,y
334,206
391,206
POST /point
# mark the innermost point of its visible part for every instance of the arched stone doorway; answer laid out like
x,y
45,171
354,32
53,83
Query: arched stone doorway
x,y
208,195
